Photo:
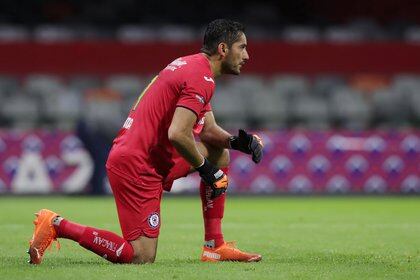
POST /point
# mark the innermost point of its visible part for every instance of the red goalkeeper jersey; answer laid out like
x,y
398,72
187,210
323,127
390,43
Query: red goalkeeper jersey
x,y
142,148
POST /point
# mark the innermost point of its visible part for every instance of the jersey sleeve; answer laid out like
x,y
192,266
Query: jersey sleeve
x,y
207,108
196,96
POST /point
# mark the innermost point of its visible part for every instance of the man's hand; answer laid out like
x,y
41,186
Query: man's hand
x,y
214,177
249,144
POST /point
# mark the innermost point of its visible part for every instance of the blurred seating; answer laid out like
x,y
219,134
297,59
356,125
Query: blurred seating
x,y
414,102
148,33
63,109
412,34
325,85
136,33
355,30
20,111
230,107
39,85
301,34
290,86
368,83
342,34
103,110
268,109
256,32
13,33
247,83
125,84
355,102
369,28
176,33
81,83
406,84
54,33
349,110
8,85
310,111
128,86
389,109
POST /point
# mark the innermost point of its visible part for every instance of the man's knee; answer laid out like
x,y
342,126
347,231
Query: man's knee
x,y
219,156
143,258
225,158
144,250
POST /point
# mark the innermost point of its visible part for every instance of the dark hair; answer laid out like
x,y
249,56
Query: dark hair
x,y
218,31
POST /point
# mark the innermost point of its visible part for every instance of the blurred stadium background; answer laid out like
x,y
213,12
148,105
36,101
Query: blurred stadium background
x,y
332,86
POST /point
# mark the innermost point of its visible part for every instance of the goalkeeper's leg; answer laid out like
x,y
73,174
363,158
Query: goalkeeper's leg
x,y
138,208
213,209
215,248
49,226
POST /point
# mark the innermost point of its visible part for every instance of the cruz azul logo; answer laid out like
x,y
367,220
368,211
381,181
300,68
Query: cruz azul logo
x,y
154,220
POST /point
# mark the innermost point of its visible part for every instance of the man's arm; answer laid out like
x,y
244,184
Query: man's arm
x,y
180,134
213,134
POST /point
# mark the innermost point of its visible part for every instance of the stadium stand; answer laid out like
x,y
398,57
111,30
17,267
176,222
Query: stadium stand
x,y
325,80
284,100
358,30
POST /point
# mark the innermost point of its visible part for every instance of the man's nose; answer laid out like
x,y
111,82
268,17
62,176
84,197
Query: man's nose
x,y
246,55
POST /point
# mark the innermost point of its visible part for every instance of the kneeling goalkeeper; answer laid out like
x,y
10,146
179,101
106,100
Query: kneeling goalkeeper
x,y
155,146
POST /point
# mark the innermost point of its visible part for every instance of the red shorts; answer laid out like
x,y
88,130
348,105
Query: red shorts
x,y
180,169
138,206
138,201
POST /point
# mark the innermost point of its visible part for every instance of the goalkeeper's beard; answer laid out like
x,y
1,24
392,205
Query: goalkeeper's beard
x,y
228,68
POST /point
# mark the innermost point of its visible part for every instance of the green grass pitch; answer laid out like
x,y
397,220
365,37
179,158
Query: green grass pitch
x,y
299,238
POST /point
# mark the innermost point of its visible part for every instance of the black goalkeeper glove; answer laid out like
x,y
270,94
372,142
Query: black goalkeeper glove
x,y
214,177
249,144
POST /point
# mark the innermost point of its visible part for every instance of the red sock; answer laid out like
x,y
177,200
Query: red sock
x,y
103,243
213,210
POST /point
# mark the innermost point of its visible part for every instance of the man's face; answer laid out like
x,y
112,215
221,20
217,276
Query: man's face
x,y
236,57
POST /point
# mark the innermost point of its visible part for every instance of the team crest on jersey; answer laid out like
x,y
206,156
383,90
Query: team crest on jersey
x,y
154,220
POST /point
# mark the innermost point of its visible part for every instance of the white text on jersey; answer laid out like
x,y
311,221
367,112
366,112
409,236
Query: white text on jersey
x,y
176,64
128,122
209,79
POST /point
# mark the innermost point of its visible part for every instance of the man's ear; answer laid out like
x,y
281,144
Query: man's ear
x,y
222,49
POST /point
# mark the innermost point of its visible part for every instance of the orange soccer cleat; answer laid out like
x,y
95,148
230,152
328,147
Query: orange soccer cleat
x,y
228,252
44,234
